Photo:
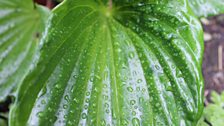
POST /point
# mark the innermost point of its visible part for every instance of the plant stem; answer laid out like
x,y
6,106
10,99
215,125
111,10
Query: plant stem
x,y
49,4
220,63
110,4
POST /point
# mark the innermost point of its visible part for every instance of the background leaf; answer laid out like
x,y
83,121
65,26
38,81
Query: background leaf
x,y
3,122
127,63
205,8
3,119
214,112
21,22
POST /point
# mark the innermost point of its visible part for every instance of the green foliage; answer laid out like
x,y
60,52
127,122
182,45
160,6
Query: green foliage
x,y
3,119
19,24
214,112
120,64
125,63
205,8
3,122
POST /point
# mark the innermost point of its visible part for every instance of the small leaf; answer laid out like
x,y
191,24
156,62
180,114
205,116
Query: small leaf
x,y
20,24
126,63
205,8
214,112
216,98
201,122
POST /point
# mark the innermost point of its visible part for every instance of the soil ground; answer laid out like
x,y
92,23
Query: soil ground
x,y
213,64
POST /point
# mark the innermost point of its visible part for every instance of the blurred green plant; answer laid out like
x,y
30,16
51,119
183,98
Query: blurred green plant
x,y
214,112
3,122
205,8
3,119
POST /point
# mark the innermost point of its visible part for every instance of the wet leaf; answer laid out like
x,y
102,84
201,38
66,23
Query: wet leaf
x,y
205,8
20,24
121,64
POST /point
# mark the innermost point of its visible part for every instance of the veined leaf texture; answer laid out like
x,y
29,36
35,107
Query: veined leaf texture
x,y
116,63
21,22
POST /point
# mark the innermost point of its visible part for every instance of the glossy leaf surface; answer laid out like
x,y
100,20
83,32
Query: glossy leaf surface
x,y
120,64
20,25
205,8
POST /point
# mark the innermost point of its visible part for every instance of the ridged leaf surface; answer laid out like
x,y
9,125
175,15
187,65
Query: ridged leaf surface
x,y
123,63
20,26
205,8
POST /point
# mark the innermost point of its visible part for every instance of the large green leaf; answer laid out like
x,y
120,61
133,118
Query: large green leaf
x,y
205,8
20,24
126,63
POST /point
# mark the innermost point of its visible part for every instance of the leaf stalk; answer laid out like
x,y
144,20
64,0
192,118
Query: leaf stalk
x,y
110,4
